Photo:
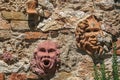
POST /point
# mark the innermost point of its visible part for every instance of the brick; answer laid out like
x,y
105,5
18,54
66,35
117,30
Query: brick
x,y
35,35
13,15
4,25
20,25
2,77
5,34
32,76
118,52
118,47
17,76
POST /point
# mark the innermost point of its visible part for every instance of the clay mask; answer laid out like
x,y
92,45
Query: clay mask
x,y
86,32
45,61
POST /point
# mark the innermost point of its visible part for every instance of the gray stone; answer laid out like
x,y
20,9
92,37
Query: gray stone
x,y
106,4
46,4
21,37
5,68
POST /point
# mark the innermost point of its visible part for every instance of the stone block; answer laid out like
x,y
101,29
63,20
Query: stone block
x,y
5,34
20,25
13,15
35,35
4,25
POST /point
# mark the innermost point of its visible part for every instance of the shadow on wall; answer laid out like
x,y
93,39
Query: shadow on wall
x,y
33,21
117,1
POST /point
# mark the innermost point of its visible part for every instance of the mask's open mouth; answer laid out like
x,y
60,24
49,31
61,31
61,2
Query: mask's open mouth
x,y
46,62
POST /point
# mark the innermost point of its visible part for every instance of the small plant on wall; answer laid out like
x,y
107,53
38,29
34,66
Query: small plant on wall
x,y
115,64
101,74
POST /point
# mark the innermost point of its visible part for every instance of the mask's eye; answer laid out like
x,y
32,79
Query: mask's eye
x,y
87,30
51,50
42,50
96,30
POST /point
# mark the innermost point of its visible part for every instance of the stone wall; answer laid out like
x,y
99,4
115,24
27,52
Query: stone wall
x,y
55,20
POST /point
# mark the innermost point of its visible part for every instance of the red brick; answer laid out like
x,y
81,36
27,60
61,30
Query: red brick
x,y
32,76
118,47
2,77
16,76
35,35
118,52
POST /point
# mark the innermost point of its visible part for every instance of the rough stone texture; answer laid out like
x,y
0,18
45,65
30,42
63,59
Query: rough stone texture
x,y
55,20
105,4
5,34
4,25
12,5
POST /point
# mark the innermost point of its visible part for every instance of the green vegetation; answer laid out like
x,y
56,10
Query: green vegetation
x,y
102,75
115,64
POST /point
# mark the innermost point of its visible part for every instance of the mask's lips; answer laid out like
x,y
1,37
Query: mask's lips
x,y
46,63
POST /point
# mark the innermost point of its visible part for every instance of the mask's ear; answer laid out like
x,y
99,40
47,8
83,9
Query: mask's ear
x,y
58,51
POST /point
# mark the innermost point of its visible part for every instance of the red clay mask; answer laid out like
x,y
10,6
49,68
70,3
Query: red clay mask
x,y
45,59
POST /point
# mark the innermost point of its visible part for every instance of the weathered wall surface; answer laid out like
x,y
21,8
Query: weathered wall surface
x,y
55,20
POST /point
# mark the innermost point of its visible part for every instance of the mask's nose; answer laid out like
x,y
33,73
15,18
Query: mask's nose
x,y
46,56
92,35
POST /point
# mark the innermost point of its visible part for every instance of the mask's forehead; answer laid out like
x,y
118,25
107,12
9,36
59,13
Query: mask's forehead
x,y
93,23
47,45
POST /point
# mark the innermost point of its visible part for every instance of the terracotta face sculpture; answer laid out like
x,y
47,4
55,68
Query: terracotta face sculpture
x,y
86,32
45,61
31,6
